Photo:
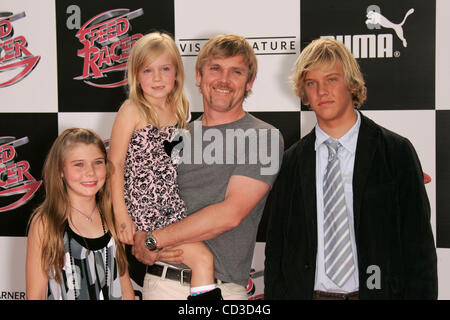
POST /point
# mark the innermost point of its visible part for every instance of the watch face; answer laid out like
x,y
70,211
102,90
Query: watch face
x,y
150,243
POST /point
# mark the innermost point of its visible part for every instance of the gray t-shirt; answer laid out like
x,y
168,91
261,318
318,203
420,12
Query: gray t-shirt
x,y
211,155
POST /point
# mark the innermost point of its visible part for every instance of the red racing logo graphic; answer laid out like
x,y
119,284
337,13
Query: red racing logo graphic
x,y
251,288
13,51
15,177
107,45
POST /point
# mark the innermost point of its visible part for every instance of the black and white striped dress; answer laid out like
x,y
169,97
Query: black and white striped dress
x,y
84,270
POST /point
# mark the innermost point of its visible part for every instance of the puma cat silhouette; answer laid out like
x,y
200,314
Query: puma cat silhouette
x,y
377,18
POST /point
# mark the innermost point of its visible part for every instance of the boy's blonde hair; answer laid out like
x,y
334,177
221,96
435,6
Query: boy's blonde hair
x,y
328,52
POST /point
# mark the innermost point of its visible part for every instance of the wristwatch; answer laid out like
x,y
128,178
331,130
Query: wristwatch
x,y
150,242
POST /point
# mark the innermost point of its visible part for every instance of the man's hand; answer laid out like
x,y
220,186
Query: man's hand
x,y
140,251
171,255
148,257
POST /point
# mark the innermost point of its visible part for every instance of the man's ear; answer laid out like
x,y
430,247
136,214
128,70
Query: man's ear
x,y
198,77
249,84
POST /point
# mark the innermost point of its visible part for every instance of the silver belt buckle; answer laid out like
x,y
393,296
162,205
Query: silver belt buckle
x,y
182,277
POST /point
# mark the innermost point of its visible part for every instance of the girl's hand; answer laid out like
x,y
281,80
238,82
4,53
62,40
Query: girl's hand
x,y
125,229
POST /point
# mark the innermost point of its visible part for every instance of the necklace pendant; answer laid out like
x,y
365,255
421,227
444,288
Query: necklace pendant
x,y
89,219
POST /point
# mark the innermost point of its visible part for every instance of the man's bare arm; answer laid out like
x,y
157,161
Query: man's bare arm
x,y
242,195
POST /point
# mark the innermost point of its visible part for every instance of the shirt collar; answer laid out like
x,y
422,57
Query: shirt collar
x,y
348,140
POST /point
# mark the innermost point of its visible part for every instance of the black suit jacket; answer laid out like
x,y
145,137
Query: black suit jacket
x,y
391,220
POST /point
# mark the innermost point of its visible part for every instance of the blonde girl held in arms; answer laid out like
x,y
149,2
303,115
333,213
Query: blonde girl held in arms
x,y
73,251
143,176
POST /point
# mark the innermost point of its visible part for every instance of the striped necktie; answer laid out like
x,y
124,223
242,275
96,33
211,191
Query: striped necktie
x,y
339,264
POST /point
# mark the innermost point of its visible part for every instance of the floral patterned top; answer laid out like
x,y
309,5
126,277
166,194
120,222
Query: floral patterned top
x,y
151,189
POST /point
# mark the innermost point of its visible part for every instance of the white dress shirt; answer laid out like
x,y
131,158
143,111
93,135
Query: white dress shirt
x,y
346,155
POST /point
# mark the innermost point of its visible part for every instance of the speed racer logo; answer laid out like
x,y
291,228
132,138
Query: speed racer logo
x,y
251,286
106,46
15,177
14,53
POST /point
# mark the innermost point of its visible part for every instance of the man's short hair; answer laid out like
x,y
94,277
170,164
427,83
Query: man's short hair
x,y
327,52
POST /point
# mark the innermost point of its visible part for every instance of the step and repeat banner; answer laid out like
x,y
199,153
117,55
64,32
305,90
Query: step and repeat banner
x,y
62,64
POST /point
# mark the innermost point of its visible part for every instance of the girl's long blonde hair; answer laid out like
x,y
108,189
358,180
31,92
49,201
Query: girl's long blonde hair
x,y
146,49
53,213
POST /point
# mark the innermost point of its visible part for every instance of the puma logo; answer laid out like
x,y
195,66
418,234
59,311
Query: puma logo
x,y
374,17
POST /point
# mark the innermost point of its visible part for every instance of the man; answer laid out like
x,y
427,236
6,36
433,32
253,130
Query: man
x,y
225,190
349,214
